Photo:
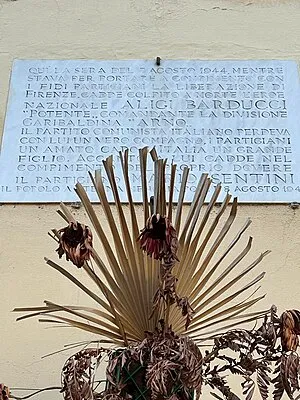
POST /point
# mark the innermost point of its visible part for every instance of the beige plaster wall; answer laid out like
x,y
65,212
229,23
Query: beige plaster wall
x,y
125,29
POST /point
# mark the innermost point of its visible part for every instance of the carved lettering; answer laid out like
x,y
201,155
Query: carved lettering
x,y
237,120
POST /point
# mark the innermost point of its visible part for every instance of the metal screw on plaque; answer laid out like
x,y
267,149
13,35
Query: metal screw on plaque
x,y
76,205
294,205
158,59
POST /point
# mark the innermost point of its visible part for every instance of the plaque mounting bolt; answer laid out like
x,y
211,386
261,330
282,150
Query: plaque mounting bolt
x,y
158,59
294,205
76,205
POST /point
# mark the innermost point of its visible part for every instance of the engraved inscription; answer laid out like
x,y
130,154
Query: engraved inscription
x,y
236,120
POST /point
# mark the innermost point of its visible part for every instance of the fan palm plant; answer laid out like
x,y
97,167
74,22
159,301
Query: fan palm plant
x,y
169,276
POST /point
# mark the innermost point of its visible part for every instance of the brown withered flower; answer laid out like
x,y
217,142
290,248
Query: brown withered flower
x,y
159,238
4,392
290,329
76,242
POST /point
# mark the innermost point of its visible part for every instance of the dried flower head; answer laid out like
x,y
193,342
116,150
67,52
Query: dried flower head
x,y
4,392
76,241
159,238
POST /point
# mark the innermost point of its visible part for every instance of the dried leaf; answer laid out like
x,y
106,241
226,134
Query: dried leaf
x,y
263,380
4,392
78,375
290,328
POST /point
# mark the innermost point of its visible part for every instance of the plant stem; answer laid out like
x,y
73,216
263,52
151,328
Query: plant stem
x,y
11,396
167,315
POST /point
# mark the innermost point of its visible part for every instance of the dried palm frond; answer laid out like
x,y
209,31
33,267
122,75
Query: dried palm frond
x,y
193,272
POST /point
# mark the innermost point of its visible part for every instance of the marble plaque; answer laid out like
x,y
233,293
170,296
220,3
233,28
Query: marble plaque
x,y
236,120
